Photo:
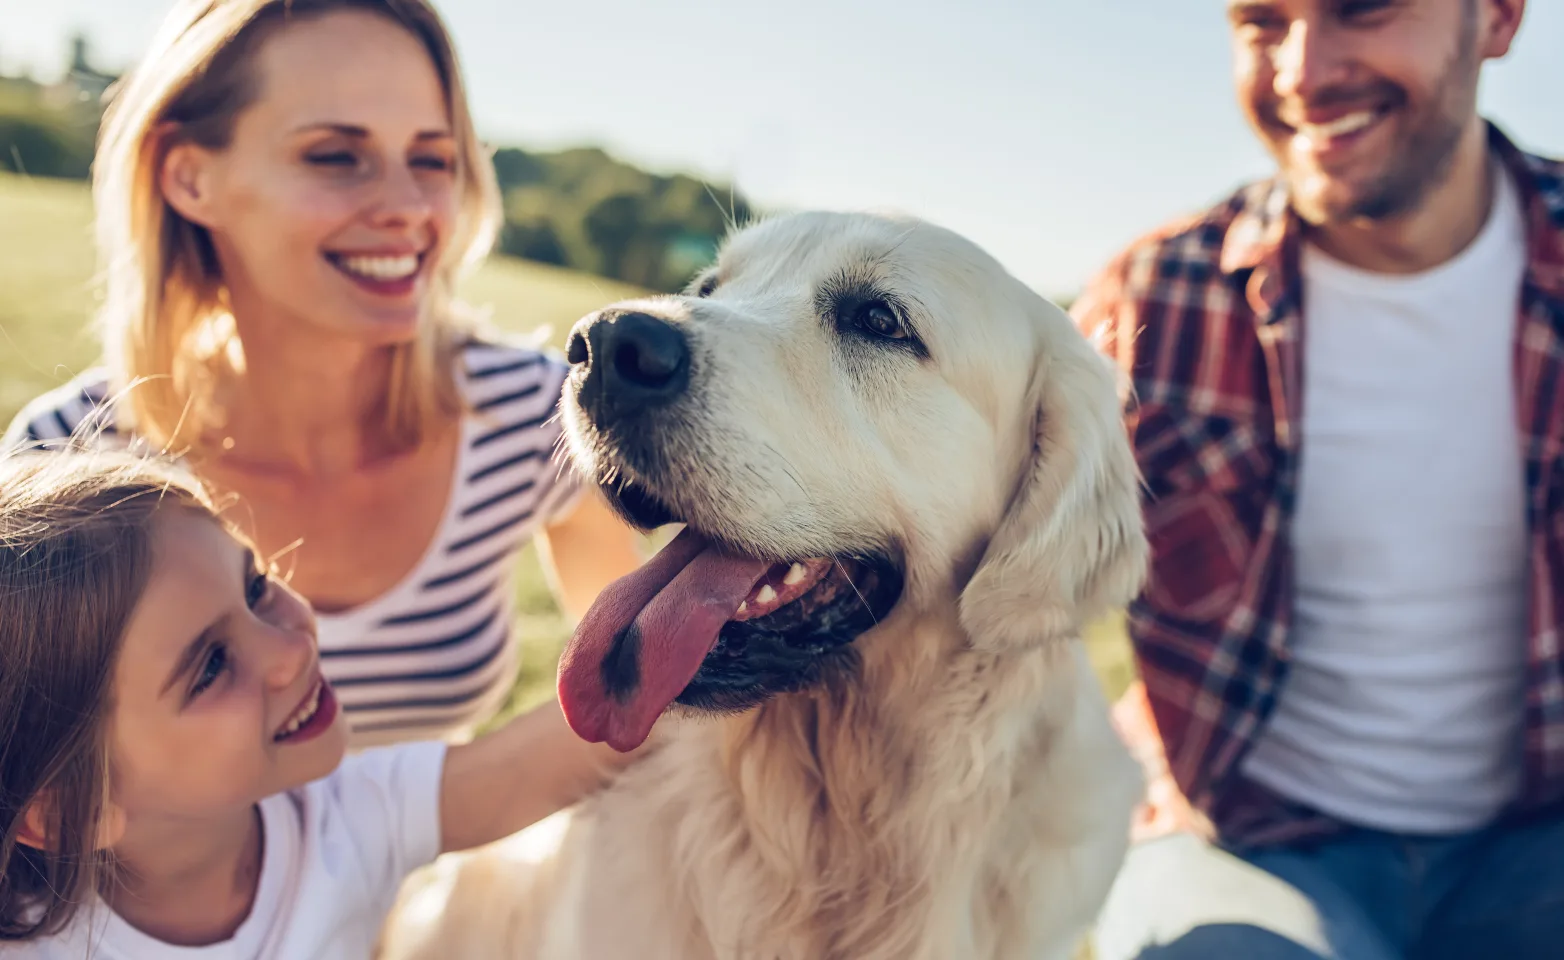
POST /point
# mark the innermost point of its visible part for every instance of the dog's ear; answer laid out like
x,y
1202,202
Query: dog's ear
x,y
1071,545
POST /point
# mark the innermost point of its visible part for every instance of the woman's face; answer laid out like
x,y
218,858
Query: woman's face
x,y
332,203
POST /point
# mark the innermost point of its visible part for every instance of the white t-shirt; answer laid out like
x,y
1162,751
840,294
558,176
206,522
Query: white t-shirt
x,y
335,854
1402,709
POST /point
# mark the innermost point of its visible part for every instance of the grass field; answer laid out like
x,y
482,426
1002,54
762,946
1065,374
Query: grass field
x,y
46,299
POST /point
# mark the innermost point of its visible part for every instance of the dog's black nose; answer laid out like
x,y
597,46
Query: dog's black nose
x,y
634,361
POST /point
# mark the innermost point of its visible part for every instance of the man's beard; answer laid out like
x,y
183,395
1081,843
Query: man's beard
x,y
1421,157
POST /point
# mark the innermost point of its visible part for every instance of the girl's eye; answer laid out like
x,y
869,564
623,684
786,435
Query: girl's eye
x,y
257,589
433,163
212,669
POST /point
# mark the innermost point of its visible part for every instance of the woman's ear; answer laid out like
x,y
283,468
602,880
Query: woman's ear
x,y
185,179
35,825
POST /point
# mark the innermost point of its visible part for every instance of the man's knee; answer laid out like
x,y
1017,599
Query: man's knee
x,y
1218,941
1180,897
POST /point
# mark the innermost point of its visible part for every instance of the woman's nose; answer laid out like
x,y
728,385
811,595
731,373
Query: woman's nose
x,y
404,200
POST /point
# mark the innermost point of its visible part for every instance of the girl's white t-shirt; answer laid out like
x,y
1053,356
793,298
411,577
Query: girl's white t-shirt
x,y
335,854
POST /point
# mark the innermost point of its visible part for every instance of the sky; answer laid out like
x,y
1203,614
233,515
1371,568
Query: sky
x,y
1051,132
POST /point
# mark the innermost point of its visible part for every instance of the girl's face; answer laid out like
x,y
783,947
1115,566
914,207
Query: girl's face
x,y
331,206
219,699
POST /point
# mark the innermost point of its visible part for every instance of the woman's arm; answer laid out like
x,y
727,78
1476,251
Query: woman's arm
x,y
586,551
511,778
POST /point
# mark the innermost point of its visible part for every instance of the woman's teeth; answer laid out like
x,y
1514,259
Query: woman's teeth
x,y
305,713
380,268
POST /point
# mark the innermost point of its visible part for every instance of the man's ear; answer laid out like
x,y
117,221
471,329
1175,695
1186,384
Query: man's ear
x,y
36,826
185,178
1498,22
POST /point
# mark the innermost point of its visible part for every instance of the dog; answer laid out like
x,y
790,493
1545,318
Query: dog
x,y
905,486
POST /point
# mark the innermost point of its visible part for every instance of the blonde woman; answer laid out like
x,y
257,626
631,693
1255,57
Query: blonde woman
x,y
286,193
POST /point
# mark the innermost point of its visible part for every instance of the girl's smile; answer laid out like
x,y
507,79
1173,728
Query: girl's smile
x,y
313,717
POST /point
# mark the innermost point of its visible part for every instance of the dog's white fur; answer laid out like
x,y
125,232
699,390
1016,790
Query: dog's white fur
x,y
960,795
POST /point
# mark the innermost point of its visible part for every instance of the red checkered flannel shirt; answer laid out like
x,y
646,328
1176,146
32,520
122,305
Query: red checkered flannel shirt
x,y
1205,318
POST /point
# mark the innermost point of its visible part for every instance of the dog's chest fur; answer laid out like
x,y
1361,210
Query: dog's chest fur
x,y
951,819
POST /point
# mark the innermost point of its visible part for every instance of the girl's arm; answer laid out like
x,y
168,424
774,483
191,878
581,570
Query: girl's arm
x,y
535,765
511,778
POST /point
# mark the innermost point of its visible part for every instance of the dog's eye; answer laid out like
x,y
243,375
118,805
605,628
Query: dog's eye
x,y
878,317
707,286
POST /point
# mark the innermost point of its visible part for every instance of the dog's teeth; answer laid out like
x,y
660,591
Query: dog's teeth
x,y
744,606
766,594
795,574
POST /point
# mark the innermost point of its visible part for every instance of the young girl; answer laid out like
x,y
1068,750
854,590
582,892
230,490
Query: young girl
x,y
172,773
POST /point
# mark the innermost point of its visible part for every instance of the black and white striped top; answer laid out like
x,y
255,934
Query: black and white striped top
x,y
434,655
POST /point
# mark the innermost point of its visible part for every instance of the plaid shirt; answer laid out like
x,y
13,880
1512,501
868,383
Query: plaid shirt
x,y
1205,317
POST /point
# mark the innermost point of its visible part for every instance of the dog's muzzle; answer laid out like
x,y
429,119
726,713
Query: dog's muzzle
x,y
627,363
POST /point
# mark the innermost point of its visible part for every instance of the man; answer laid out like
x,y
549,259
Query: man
x,y
1348,407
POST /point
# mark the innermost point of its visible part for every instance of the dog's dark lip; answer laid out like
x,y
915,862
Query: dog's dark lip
x,y
795,646
636,505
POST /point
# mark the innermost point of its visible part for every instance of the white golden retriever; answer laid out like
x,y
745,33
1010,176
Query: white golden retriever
x,y
905,486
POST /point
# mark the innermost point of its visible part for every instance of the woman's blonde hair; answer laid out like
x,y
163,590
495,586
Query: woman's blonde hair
x,y
164,320
75,556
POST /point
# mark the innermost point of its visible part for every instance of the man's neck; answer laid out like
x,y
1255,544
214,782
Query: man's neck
x,y
1448,220
189,884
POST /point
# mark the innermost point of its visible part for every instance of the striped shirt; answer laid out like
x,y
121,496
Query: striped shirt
x,y
434,655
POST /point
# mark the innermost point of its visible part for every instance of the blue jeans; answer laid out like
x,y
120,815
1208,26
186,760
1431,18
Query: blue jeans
x,y
1497,893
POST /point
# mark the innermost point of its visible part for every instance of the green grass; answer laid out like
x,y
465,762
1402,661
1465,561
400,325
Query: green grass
x,y
46,300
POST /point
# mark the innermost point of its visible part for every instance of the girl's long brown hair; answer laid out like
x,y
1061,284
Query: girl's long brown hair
x,y
75,552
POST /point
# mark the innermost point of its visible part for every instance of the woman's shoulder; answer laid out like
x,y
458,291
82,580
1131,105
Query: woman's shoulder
x,y
508,378
82,409
495,355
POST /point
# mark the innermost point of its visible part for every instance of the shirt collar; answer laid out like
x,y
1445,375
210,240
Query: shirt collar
x,y
1265,235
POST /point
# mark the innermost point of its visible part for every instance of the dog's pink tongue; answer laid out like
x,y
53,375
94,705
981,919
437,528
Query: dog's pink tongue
x,y
645,637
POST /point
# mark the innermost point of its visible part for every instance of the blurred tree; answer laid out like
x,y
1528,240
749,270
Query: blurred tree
x,y
583,208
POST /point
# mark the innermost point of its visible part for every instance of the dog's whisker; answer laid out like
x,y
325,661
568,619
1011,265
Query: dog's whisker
x,y
787,467
861,598
728,218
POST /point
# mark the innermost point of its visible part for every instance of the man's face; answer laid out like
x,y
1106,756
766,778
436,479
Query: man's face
x,y
1363,102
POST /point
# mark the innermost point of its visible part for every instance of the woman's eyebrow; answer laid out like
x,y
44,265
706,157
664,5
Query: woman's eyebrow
x,y
362,133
